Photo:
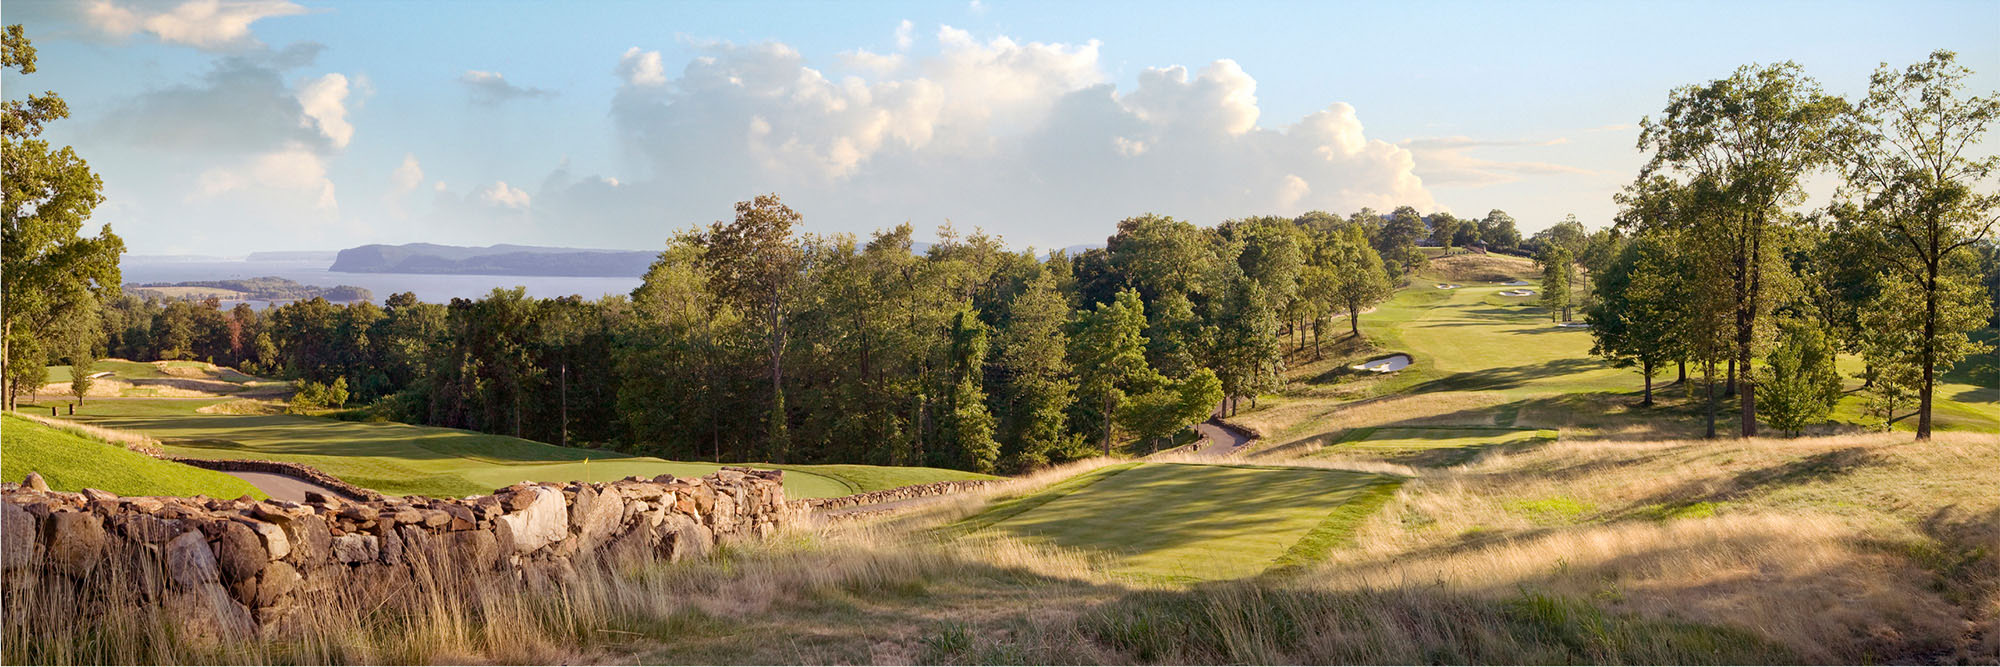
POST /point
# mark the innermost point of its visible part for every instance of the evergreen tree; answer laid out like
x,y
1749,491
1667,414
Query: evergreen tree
x,y
1799,386
967,424
1108,353
1040,387
1557,276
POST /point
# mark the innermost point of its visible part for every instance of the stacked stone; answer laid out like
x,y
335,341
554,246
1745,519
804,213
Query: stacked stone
x,y
898,493
235,566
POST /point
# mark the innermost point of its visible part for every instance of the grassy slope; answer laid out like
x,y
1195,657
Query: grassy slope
x,y
1181,522
71,462
406,459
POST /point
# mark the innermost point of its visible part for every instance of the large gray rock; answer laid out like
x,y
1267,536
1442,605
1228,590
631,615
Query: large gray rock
x,y
17,536
207,615
682,538
542,521
279,580
312,543
355,548
190,563
602,517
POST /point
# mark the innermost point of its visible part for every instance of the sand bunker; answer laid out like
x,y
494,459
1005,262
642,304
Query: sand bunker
x,y
1517,292
1388,364
1448,286
1574,325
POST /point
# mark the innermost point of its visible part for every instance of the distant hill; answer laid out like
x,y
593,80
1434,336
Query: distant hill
x,y
500,260
267,288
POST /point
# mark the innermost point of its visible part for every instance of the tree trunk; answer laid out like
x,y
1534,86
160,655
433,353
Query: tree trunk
x,y
1683,377
1746,327
1929,355
1708,378
1647,370
1354,320
1730,388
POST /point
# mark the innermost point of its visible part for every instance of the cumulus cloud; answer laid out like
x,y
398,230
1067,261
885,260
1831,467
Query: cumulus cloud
x,y
491,88
203,24
501,194
407,175
904,36
324,103
291,170
1023,136
642,68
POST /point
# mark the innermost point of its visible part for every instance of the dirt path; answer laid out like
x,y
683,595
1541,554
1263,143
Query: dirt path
x,y
282,487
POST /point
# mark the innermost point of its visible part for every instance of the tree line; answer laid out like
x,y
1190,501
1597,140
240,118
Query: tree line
x,y
748,340
1712,266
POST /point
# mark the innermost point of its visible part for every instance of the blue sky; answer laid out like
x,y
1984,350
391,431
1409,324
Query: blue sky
x,y
229,127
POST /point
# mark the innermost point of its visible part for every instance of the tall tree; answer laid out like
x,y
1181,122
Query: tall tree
x,y
1363,281
51,279
1109,354
1638,313
967,424
1040,385
1497,229
754,262
1558,277
1915,188
1750,138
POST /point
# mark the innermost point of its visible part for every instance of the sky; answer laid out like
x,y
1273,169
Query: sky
x,y
223,127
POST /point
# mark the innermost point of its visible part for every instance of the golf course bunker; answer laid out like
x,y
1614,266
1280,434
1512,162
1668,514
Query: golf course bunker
x,y
1186,522
1448,286
1517,292
1388,364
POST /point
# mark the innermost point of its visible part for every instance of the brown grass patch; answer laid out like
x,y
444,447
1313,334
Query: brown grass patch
x,y
1474,267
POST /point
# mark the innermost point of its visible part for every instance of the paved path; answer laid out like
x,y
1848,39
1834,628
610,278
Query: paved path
x,y
283,487
1218,440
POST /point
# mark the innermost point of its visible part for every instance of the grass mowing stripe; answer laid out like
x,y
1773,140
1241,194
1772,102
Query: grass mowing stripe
x,y
1337,529
1009,508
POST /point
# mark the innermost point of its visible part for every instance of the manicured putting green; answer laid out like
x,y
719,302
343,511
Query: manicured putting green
x,y
72,462
1187,522
405,459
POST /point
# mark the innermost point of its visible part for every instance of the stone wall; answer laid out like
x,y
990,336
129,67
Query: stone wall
x,y
895,494
238,567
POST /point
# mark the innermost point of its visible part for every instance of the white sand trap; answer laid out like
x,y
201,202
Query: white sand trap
x,y
1448,286
1574,325
1517,292
1515,283
1388,364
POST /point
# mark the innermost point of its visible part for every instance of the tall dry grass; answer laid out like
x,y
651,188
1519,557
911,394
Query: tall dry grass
x,y
1844,548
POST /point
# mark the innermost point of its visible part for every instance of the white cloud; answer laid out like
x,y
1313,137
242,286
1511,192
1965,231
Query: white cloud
x,y
408,175
501,194
642,68
439,186
203,24
324,101
1025,136
492,88
1447,161
296,172
903,34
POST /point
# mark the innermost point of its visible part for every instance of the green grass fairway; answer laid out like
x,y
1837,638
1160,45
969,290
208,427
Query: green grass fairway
x,y
405,459
1430,446
864,478
72,462
1186,522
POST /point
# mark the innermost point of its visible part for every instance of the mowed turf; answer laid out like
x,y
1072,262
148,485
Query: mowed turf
x,y
1430,445
72,462
405,459
1185,522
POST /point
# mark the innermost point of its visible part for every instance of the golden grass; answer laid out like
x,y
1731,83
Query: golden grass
x,y
1296,422
1473,267
1844,548
242,406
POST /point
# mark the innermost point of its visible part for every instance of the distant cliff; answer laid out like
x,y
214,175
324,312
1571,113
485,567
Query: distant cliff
x,y
499,260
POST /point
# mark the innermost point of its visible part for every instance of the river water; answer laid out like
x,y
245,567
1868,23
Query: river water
x,y
427,287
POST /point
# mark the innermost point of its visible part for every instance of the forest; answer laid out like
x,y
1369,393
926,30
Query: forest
x,y
749,340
